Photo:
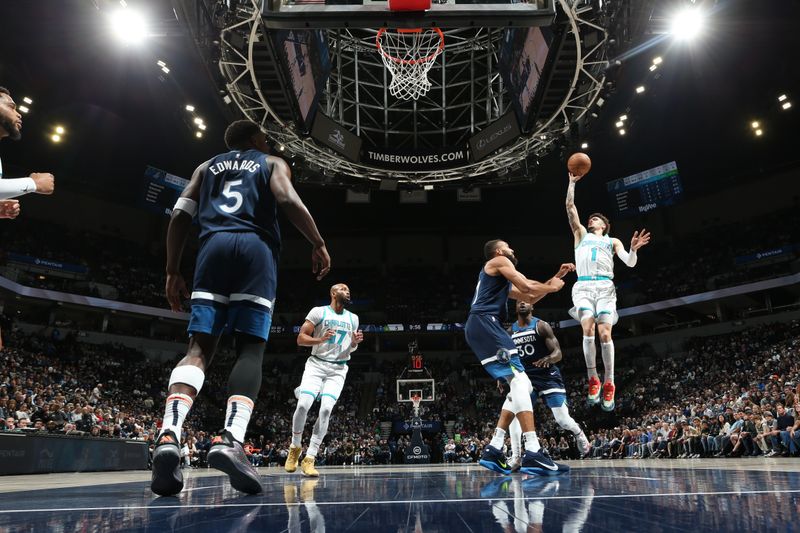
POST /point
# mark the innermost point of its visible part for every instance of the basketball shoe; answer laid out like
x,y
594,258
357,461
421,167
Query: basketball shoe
x,y
307,466
608,396
584,447
292,458
541,464
226,454
594,391
493,459
167,478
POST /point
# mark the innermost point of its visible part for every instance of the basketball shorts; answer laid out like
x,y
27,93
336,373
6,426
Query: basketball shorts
x,y
597,297
549,386
493,346
234,285
321,378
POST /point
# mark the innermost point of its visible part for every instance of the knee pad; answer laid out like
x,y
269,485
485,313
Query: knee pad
x,y
521,388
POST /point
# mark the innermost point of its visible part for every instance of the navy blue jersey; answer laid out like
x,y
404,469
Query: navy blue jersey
x,y
491,295
235,197
531,347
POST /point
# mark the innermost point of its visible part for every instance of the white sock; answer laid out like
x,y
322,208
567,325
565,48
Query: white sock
x,y
498,439
313,446
237,416
531,442
515,433
590,356
175,412
607,348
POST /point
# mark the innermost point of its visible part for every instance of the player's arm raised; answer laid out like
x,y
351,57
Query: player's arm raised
x,y
546,331
639,239
185,209
526,288
306,336
518,295
578,231
281,185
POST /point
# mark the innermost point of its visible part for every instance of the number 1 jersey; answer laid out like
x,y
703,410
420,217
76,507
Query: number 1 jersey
x,y
235,196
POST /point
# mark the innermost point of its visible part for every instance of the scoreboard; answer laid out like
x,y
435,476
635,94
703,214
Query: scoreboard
x,y
645,191
161,190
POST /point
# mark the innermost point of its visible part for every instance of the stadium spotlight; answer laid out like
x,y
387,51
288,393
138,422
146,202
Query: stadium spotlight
x,y
584,146
781,98
640,89
623,117
29,101
23,109
786,105
202,127
198,120
190,108
622,132
687,24
759,132
198,134
56,138
653,67
754,124
129,26
165,70
619,124
657,60
60,130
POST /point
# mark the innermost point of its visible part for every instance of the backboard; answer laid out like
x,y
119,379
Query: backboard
x,y
425,388
332,14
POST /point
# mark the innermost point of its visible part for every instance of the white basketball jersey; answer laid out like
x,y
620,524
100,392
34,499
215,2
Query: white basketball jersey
x,y
594,256
338,347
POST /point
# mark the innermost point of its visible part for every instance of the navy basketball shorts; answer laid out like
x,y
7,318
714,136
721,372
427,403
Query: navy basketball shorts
x,y
548,385
493,346
234,285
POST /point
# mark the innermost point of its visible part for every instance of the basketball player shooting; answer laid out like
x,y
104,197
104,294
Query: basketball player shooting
x,y
333,334
594,296
235,197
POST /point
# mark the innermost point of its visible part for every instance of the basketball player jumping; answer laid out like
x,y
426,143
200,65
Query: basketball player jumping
x,y
333,334
593,295
498,281
539,352
235,197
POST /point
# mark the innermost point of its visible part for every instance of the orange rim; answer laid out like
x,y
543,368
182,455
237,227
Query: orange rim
x,y
399,60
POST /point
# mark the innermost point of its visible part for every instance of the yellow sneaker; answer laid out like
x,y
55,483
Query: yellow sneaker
x,y
307,489
291,459
307,466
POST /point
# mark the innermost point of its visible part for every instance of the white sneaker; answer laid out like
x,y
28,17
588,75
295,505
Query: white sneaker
x,y
583,444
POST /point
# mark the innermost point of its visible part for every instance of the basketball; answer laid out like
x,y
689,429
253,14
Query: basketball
x,y
579,164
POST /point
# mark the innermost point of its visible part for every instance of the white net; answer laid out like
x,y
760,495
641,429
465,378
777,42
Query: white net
x,y
409,55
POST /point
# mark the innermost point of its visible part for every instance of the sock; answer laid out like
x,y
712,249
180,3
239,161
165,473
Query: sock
x,y
313,446
590,355
531,442
237,416
515,433
177,408
498,439
607,349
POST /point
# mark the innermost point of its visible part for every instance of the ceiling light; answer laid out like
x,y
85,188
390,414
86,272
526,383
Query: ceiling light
x,y
653,67
754,124
24,108
198,120
281,147
161,63
781,98
687,24
60,130
657,60
198,134
786,105
129,26
619,124
640,89
759,132
624,117
584,146
202,127
55,138
165,69
29,101
189,108
622,132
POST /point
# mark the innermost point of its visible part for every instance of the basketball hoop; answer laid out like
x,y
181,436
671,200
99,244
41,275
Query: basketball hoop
x,y
415,401
409,54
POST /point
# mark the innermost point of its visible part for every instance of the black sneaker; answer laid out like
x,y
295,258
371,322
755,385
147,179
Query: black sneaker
x,y
494,459
541,464
167,477
226,454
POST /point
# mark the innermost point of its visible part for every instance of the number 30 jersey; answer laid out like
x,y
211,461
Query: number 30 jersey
x,y
594,256
235,196
339,347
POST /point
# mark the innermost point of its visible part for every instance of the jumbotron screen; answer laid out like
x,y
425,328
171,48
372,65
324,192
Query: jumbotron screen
x,y
645,191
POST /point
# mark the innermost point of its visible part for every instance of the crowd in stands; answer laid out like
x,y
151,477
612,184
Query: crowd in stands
x,y
728,395
668,268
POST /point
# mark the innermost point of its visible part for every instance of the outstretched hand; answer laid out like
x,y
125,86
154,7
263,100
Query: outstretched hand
x,y
565,269
639,239
573,178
